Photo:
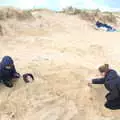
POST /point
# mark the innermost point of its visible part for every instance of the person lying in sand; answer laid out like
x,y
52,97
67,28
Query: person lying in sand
x,y
111,81
108,27
8,71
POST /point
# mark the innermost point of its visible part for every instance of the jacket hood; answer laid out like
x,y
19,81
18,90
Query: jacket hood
x,y
6,61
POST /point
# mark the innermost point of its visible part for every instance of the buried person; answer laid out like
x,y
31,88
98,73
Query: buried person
x,y
111,81
8,71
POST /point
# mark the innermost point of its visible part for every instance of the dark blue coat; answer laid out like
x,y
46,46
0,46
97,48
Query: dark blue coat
x,y
7,74
99,24
112,84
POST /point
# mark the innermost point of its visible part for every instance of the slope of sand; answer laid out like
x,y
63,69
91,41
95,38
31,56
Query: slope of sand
x,y
63,52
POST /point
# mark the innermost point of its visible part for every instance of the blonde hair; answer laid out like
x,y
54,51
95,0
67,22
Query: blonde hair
x,y
103,68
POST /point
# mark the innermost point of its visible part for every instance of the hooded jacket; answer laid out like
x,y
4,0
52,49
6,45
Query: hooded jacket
x,y
111,82
7,74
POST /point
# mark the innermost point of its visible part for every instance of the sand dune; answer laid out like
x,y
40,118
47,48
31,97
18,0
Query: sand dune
x,y
63,52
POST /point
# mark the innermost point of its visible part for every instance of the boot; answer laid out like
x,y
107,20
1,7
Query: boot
x,y
8,84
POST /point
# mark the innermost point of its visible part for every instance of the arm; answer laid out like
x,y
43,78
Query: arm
x,y
98,81
15,74
14,70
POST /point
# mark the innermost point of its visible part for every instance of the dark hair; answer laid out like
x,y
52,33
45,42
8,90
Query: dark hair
x,y
26,75
103,68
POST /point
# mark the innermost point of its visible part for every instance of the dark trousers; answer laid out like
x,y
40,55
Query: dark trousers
x,y
113,104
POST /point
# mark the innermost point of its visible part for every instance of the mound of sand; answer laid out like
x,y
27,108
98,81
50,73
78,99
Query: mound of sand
x,y
92,15
8,13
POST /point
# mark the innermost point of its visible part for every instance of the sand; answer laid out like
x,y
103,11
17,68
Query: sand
x,y
63,53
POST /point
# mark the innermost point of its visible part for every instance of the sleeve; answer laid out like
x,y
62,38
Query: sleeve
x,y
15,74
14,70
98,81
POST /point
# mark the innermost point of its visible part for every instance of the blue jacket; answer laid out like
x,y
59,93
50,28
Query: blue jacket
x,y
7,74
111,82
99,24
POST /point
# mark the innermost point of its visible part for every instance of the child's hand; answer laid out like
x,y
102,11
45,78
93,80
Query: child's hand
x,y
17,75
90,84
